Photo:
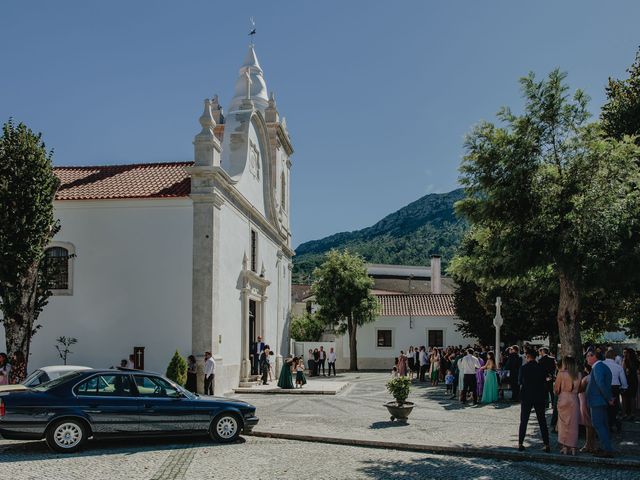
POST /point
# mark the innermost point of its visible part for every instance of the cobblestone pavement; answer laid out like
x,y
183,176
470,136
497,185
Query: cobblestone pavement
x,y
260,458
358,413
355,413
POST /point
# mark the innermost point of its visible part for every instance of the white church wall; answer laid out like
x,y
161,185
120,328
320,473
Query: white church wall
x,y
251,181
370,356
131,283
237,241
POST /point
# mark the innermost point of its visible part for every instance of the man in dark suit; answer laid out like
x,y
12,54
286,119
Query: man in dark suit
x,y
532,381
256,350
550,367
513,364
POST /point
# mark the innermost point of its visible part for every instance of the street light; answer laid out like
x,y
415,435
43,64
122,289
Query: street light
x,y
497,322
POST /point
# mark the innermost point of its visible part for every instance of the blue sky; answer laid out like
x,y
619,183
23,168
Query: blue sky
x,y
378,95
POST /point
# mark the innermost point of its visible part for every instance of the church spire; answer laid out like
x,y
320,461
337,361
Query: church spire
x,y
255,89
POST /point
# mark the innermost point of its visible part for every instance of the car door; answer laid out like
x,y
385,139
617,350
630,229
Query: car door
x,y
163,409
110,403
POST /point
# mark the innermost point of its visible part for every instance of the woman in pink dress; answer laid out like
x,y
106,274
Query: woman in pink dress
x,y
567,387
585,413
402,364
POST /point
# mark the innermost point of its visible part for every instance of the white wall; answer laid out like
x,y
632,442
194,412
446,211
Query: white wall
x,y
131,283
373,357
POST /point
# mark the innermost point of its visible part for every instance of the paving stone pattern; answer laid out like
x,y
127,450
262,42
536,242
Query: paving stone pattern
x,y
261,458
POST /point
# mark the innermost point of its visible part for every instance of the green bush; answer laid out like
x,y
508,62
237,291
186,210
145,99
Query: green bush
x,y
307,328
177,369
399,387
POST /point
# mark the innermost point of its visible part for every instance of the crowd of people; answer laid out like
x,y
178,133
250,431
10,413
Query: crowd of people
x,y
598,395
14,370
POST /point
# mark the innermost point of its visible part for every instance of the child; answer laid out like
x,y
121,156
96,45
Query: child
x,y
271,360
448,381
300,378
394,372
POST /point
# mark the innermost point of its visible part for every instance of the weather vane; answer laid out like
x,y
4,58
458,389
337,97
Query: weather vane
x,y
252,32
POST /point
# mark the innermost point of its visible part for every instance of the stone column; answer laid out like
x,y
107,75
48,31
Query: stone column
x,y
245,369
207,201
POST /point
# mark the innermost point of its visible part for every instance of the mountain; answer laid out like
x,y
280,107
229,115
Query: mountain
x,y
409,236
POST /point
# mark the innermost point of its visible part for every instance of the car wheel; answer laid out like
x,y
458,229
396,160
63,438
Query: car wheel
x,y
225,428
66,435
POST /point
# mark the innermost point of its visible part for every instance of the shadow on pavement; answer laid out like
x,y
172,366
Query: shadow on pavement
x,y
387,424
38,450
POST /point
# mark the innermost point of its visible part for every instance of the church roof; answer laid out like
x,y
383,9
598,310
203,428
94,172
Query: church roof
x,y
417,305
140,180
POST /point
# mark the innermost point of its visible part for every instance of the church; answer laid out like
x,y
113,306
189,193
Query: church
x,y
189,256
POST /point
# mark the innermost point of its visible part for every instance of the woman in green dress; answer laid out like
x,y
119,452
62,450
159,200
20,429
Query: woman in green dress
x,y
286,381
490,390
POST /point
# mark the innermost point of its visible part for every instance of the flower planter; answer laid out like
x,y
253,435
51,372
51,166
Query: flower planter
x,y
399,412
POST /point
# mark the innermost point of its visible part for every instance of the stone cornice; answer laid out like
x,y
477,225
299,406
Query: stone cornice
x,y
284,139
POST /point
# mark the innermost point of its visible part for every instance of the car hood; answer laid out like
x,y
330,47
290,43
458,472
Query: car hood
x,y
232,401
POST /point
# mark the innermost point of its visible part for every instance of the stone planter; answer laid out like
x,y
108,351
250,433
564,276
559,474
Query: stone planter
x,y
399,412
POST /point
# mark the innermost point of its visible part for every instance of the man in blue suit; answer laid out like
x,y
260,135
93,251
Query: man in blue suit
x,y
599,398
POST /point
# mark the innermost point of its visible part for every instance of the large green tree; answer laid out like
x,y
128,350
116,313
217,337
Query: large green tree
x,y
547,190
343,292
27,225
621,113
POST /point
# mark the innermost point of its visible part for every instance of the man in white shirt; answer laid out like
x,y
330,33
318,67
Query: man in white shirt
x,y
331,360
209,373
424,363
618,383
467,366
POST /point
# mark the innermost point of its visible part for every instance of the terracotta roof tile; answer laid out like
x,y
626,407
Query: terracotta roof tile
x,y
426,304
150,180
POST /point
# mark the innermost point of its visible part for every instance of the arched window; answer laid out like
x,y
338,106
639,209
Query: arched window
x,y
57,265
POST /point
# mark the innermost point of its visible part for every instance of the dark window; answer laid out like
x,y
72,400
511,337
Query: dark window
x,y
254,251
155,387
106,386
384,338
436,338
57,265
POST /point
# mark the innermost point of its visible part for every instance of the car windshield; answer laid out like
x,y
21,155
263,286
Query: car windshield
x,y
44,387
182,390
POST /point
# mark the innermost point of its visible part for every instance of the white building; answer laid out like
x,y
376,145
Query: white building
x,y
414,312
192,256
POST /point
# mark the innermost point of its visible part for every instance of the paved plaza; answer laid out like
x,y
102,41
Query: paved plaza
x,y
354,413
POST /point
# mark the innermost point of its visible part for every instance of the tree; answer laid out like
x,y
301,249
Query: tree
x,y
307,328
343,292
63,347
621,114
27,225
177,369
547,191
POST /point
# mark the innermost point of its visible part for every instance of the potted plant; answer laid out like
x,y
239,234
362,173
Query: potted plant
x,y
399,387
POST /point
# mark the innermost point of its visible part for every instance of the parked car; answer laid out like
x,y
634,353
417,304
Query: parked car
x,y
42,375
70,409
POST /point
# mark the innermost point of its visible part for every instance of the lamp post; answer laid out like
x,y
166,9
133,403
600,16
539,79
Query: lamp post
x,y
497,322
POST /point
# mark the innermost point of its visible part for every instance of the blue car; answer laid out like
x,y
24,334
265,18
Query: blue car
x,y
117,403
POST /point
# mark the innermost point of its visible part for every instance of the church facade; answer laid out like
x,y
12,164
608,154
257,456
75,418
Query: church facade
x,y
188,256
